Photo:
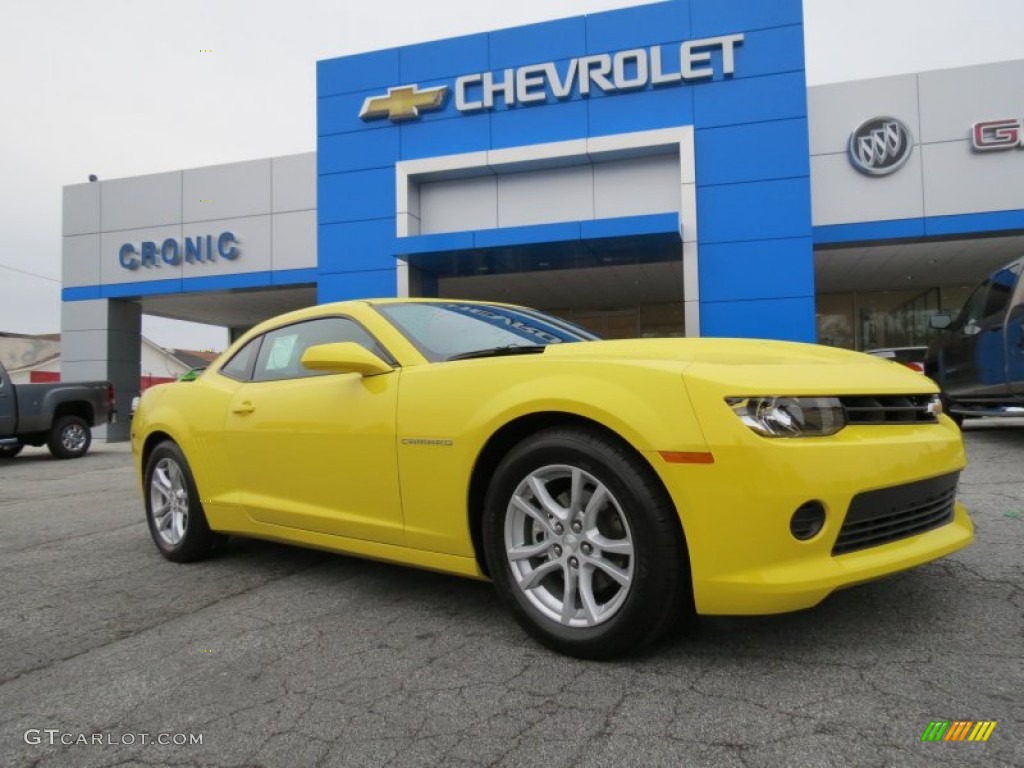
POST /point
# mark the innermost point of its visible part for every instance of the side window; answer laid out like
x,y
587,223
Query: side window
x,y
1003,284
281,354
973,309
239,367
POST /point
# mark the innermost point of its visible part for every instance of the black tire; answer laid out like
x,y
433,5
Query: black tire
x,y
193,539
10,451
70,437
659,594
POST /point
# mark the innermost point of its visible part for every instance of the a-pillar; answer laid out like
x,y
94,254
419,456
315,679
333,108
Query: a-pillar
x,y
101,339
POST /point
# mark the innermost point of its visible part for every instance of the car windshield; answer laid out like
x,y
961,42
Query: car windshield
x,y
446,330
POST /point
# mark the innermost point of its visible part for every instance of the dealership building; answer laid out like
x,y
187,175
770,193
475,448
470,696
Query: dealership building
x,y
657,170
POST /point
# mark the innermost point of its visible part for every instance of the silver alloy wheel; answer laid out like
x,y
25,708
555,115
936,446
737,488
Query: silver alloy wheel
x,y
569,546
73,437
168,498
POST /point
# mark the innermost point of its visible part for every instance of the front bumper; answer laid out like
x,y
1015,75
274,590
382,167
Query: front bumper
x,y
736,512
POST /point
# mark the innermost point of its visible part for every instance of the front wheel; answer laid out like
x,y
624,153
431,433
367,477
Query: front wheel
x,y
70,437
174,512
584,545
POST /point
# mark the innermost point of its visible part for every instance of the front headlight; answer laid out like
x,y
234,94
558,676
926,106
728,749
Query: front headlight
x,y
790,416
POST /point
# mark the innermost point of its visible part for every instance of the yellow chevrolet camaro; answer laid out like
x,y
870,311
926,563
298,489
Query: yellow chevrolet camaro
x,y
609,489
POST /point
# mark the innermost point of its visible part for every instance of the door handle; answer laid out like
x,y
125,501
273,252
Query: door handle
x,y
244,408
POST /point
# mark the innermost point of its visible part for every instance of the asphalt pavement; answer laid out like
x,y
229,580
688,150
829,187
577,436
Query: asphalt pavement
x,y
277,656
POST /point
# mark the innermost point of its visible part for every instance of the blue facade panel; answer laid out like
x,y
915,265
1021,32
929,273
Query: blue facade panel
x,y
356,196
548,41
787,319
758,211
783,268
378,69
750,100
356,245
444,58
752,159
638,27
734,154
720,18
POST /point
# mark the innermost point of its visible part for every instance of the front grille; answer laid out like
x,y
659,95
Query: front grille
x,y
889,409
889,514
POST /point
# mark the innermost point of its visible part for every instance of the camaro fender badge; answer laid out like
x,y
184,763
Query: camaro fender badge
x,y
436,442
404,102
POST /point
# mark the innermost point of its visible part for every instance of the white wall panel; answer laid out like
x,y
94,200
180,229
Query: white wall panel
x,y
637,186
458,205
546,196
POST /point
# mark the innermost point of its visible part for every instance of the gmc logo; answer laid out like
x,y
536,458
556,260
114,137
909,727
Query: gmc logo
x,y
997,134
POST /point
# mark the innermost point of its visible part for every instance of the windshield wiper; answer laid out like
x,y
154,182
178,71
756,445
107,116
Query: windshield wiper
x,y
510,349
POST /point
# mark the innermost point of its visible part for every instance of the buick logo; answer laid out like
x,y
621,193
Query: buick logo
x,y
880,146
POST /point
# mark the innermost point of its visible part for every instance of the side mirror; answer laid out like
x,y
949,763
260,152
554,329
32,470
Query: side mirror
x,y
344,357
940,321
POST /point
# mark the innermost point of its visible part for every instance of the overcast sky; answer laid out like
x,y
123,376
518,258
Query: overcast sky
x,y
120,88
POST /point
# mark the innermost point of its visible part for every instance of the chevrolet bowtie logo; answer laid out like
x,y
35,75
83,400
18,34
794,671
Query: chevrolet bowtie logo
x,y
404,103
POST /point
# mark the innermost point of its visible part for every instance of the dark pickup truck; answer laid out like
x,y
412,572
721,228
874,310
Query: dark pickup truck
x,y
60,416
979,359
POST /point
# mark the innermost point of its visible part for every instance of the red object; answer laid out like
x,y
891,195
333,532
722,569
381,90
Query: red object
x,y
916,367
43,377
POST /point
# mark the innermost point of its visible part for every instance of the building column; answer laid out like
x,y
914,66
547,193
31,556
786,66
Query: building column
x,y
101,339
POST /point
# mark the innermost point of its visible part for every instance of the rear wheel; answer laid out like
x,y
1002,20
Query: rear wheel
x,y
584,546
174,512
10,451
70,437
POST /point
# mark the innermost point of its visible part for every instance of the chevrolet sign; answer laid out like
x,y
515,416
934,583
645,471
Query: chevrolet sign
x,y
630,70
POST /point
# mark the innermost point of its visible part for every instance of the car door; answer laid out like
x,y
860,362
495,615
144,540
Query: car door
x,y
316,452
990,351
1015,341
958,346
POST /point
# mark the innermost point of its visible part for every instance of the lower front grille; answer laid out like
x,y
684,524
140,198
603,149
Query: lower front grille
x,y
889,514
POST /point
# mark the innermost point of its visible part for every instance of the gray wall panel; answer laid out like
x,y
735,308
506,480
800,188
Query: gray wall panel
x,y
294,182
960,180
834,111
294,240
81,261
81,209
110,245
458,205
841,195
637,186
546,196
141,201
253,235
85,315
227,191
952,100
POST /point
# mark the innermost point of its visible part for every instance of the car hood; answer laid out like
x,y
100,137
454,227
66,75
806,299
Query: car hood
x,y
715,351
751,366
